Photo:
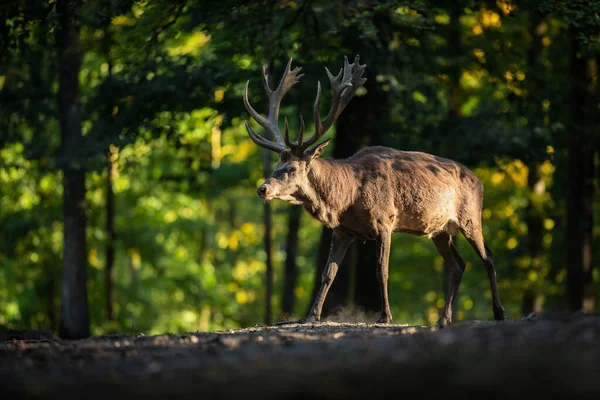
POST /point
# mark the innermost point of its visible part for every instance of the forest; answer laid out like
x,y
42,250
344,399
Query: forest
x,y
128,181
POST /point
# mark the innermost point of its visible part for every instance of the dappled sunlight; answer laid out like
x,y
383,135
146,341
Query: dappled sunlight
x,y
188,44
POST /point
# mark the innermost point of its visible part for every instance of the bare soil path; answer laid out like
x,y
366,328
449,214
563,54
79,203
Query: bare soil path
x,y
550,357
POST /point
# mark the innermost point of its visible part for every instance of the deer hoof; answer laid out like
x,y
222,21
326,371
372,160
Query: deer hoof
x,y
384,319
499,314
443,322
311,319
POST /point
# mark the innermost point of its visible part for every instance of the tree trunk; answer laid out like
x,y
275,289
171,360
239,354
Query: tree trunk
x,y
268,244
532,301
110,199
455,53
366,287
530,106
291,268
110,240
580,188
51,305
74,318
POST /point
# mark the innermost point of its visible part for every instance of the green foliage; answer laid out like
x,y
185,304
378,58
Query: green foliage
x,y
161,86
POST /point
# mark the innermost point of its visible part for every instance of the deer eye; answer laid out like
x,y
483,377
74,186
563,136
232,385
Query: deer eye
x,y
292,170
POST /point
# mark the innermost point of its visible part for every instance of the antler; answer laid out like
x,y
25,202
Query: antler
x,y
290,77
344,86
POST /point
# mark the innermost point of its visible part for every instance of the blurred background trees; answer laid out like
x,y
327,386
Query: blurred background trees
x,y
124,162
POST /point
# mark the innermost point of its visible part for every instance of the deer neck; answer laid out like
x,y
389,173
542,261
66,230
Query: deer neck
x,y
331,190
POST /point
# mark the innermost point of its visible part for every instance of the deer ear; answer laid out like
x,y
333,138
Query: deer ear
x,y
316,151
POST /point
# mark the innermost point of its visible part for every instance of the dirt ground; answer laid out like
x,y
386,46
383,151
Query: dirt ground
x,y
548,357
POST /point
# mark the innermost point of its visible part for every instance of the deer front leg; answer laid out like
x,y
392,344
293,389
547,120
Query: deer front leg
x,y
340,242
383,260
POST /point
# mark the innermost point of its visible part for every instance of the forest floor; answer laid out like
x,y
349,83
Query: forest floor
x,y
547,357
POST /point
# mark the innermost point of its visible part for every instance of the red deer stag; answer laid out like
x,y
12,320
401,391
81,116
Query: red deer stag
x,y
374,193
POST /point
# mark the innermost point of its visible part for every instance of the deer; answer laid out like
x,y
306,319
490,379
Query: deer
x,y
371,195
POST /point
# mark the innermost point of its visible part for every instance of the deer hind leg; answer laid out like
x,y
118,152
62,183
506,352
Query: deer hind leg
x,y
383,260
456,267
475,239
340,242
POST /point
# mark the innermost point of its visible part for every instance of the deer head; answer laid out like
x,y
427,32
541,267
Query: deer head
x,y
289,180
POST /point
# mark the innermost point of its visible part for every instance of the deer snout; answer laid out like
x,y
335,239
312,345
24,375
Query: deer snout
x,y
262,191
